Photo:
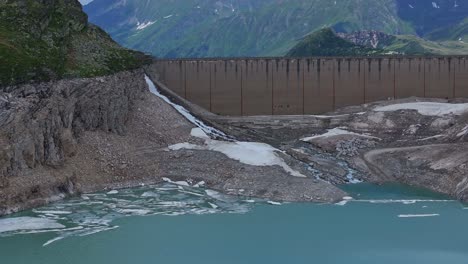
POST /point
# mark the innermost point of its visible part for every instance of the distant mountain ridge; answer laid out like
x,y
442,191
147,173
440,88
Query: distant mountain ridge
x,y
206,28
326,42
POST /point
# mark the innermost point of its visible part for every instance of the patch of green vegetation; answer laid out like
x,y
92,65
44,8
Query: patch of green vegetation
x,y
413,45
326,43
46,41
458,32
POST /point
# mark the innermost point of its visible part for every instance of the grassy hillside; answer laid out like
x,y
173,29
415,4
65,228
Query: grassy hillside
x,y
458,32
413,45
210,28
42,40
325,42
187,28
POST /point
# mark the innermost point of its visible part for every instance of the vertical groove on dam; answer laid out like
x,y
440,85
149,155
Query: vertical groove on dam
x,y
296,86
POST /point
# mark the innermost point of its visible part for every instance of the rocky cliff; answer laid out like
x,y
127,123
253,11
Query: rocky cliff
x,y
40,125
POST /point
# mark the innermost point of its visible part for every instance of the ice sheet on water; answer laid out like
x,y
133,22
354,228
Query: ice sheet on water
x,y
417,215
27,223
97,212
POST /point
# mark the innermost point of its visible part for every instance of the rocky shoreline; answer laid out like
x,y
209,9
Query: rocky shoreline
x,y
78,136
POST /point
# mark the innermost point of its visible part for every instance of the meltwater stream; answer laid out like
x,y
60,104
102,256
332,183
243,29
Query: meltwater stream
x,y
171,223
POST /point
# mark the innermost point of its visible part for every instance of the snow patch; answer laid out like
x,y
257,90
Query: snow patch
x,y
427,108
181,183
337,132
250,153
113,192
463,132
141,26
432,137
185,113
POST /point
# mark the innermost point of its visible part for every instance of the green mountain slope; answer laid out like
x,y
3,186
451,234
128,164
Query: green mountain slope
x,y
187,28
325,42
42,40
210,28
458,32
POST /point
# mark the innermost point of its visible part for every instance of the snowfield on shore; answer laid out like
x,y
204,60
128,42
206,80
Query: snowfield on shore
x,y
427,108
250,153
337,132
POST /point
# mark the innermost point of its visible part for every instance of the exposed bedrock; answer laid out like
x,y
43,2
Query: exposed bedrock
x,y
415,141
84,135
41,122
40,125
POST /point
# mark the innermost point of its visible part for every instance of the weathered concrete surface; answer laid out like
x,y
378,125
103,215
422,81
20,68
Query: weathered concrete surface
x,y
296,86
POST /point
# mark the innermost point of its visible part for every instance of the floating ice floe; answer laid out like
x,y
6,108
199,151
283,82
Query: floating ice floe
x,y
28,223
52,212
337,132
427,108
273,203
345,200
250,153
200,184
80,217
113,192
435,5
417,215
342,203
214,206
406,201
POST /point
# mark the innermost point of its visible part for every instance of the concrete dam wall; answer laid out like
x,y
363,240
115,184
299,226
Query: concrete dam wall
x,y
287,86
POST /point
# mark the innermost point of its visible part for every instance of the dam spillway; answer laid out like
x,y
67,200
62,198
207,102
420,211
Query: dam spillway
x,y
297,86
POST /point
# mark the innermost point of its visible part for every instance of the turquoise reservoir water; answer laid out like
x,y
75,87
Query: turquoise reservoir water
x,y
173,224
